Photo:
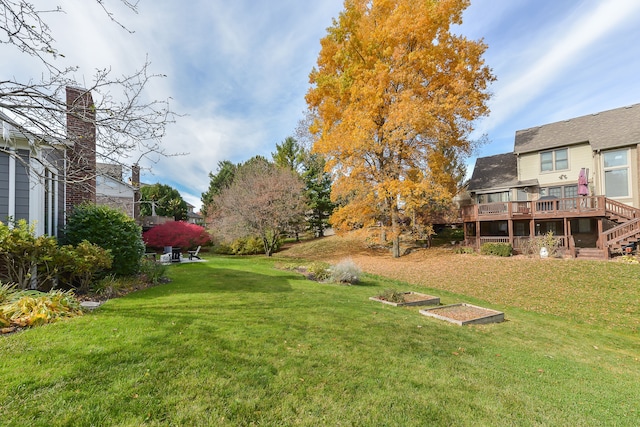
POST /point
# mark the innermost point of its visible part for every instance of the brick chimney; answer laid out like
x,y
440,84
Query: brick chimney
x,y
81,155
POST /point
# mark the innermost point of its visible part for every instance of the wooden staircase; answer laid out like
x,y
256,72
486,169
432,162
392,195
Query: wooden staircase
x,y
626,233
589,253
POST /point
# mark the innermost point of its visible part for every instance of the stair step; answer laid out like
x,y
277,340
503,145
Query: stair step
x,y
589,253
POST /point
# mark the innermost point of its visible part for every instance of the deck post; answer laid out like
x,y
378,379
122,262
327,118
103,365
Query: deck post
x,y
532,228
510,228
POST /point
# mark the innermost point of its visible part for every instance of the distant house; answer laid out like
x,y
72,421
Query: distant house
x,y
113,191
41,181
194,217
577,178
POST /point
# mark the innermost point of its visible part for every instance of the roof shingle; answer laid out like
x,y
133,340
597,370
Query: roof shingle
x,y
608,129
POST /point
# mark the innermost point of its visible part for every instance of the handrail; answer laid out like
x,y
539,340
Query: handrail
x,y
621,232
620,209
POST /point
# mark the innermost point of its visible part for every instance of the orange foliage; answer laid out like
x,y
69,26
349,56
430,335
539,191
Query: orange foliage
x,y
395,91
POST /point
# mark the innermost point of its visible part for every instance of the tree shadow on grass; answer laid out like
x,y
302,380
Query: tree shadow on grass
x,y
216,281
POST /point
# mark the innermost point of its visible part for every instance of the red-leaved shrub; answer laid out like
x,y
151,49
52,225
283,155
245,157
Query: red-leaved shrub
x,y
176,233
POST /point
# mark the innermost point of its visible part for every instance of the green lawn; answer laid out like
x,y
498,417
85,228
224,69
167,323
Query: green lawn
x,y
234,341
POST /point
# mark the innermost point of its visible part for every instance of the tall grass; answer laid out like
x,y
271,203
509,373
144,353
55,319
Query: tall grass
x,y
236,342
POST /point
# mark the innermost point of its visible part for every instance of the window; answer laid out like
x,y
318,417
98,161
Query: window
x,y
554,160
570,191
616,173
50,202
502,196
522,195
555,192
566,191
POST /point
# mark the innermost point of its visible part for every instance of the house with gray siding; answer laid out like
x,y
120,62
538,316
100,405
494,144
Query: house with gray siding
x,y
41,181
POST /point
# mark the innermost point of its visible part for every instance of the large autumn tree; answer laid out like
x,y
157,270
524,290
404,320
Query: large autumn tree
x,y
395,95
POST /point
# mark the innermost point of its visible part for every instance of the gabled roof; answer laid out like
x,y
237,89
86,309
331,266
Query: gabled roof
x,y
494,171
608,129
497,172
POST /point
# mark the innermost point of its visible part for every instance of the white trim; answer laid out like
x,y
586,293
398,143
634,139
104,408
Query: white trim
x,y
11,205
626,167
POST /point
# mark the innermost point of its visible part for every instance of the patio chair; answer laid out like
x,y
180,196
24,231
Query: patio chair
x,y
194,254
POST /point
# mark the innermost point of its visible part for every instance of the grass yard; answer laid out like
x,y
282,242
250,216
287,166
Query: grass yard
x,y
236,342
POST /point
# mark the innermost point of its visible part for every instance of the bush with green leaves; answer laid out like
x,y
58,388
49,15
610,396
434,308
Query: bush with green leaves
x,y
497,249
78,265
346,271
247,246
22,253
152,272
243,246
464,250
110,229
319,271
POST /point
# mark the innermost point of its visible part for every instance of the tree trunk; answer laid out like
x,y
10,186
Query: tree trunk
x,y
267,247
395,229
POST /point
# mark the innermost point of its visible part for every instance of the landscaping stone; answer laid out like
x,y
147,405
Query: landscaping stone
x,y
90,305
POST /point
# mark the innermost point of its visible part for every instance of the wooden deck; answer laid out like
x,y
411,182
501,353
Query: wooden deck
x,y
577,207
613,239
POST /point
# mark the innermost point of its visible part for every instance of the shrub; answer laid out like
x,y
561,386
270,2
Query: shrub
x,y
345,271
152,272
464,250
319,271
498,249
628,259
31,308
110,229
21,252
549,241
244,246
78,265
247,246
176,233
392,295
108,287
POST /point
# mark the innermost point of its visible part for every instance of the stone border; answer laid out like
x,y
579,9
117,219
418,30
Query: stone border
x,y
492,316
428,300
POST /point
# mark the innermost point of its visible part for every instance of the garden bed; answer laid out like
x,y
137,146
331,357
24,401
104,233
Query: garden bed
x,y
464,314
410,299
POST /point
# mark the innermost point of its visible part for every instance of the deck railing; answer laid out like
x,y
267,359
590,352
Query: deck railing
x,y
621,210
578,206
618,234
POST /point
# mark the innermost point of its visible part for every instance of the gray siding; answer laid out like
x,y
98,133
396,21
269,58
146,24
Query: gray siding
x,y
4,186
22,186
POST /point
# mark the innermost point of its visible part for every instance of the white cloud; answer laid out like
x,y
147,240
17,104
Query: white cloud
x,y
239,70
567,43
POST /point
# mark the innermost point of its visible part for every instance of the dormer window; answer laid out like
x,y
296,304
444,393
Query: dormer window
x,y
554,160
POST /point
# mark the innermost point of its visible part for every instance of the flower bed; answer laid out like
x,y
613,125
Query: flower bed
x,y
464,314
410,299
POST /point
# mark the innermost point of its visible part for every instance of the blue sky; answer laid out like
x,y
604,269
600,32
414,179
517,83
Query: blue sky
x,y
238,70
